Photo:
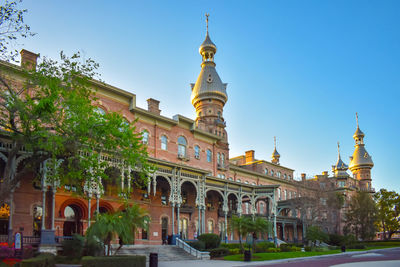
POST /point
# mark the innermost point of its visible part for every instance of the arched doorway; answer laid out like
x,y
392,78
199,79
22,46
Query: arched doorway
x,y
183,226
73,224
4,218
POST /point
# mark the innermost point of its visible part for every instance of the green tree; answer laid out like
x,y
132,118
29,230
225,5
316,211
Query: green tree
x,y
335,203
50,113
239,225
12,27
123,224
314,233
388,204
361,216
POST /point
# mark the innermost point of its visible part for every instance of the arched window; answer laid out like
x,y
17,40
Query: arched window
x,y
210,224
219,159
209,155
266,171
272,172
289,176
223,160
182,143
246,208
230,179
100,111
253,183
238,180
164,142
145,137
286,194
278,174
246,182
197,152
285,176
279,194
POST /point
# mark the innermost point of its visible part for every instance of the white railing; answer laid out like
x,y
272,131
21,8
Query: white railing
x,y
192,251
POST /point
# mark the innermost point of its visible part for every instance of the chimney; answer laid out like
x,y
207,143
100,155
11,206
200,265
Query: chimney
x,y
28,59
153,106
325,173
249,156
303,176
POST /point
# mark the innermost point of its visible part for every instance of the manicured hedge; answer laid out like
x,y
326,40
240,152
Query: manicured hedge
x,y
42,260
230,245
114,261
219,252
211,240
199,245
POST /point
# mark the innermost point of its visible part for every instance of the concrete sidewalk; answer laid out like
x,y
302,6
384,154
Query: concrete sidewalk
x,y
222,263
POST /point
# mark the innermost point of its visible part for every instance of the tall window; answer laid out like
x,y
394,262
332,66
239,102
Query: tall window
x,y
261,207
219,159
223,160
246,207
209,155
286,194
197,152
278,174
182,146
210,226
272,172
164,142
284,176
145,137
266,171
279,194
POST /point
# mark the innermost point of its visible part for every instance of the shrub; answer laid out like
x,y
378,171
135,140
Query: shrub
x,y
336,240
199,245
286,247
211,240
6,252
234,251
307,248
263,246
73,247
273,250
219,252
93,248
112,261
42,260
28,252
230,245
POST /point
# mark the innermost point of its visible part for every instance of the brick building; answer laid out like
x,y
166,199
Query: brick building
x,y
197,187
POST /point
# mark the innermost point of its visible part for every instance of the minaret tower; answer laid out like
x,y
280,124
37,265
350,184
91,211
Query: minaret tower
x,y
361,162
209,93
340,169
275,154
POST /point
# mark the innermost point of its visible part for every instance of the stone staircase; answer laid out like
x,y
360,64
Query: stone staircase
x,y
165,252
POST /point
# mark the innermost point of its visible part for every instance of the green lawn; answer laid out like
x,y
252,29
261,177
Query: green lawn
x,y
287,255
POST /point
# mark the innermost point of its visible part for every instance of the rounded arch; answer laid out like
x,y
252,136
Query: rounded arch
x,y
216,190
162,216
101,109
245,195
3,157
102,205
232,193
189,181
77,202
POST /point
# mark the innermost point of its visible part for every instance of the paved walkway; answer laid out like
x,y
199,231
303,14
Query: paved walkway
x,y
363,259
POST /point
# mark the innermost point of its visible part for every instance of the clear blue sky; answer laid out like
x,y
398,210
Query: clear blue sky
x,y
298,70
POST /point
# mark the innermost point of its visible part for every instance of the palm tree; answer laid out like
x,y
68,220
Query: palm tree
x,y
240,225
123,224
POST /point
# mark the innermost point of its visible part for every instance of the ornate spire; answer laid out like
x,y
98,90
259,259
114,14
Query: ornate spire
x,y
358,135
360,158
207,15
275,154
340,168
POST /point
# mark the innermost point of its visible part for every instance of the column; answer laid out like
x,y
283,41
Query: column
x,y
275,232
203,224
97,206
226,227
10,218
43,208
199,223
53,207
173,218
178,219
89,210
304,232
283,231
295,237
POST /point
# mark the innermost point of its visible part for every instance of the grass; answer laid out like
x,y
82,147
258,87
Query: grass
x,y
297,254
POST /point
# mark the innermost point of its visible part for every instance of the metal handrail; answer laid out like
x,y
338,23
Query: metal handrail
x,y
192,251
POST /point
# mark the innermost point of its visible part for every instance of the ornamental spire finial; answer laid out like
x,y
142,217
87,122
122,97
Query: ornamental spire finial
x,y
207,15
338,148
275,142
357,119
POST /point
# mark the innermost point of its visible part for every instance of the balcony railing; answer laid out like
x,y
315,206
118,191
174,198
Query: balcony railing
x,y
192,251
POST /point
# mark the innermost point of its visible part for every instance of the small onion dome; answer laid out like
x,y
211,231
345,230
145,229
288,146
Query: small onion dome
x,y
207,46
275,154
360,158
358,133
